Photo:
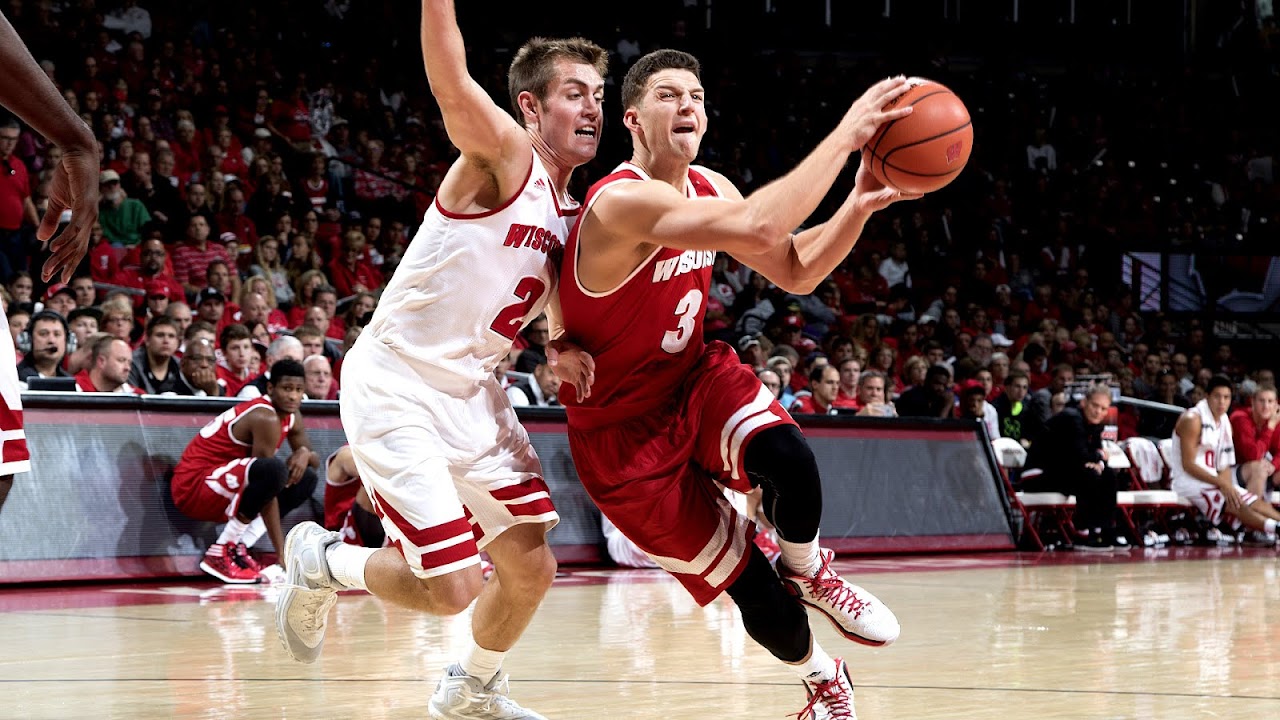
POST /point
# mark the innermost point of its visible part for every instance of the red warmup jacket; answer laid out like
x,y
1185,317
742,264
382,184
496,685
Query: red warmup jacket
x,y
1253,442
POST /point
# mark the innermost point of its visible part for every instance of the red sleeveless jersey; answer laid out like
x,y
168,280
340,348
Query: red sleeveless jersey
x,y
215,446
645,334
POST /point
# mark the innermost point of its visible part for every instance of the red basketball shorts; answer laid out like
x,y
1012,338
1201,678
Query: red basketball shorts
x,y
652,476
212,495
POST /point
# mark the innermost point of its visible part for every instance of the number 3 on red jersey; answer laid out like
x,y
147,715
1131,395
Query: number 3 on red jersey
x,y
687,310
529,290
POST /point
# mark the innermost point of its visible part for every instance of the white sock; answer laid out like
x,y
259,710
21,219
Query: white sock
x,y
347,563
480,663
254,532
232,533
819,666
804,558
1269,526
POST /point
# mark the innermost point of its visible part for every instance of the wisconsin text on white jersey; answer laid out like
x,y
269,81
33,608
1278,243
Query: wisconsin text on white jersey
x,y
533,237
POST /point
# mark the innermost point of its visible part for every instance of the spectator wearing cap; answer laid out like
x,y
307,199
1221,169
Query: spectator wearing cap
x,y
974,406
824,383
933,399
48,332
150,275
154,368
110,360
750,352
121,216
192,258
211,306
60,298
349,271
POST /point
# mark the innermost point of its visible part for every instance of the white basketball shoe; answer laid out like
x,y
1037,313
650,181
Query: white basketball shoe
x,y
302,609
830,699
460,696
856,614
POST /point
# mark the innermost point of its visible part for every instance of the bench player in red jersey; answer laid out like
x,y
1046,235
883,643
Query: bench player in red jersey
x,y
27,92
636,275
446,463
229,472
347,508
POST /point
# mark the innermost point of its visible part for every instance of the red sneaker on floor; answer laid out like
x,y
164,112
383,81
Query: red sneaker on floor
x,y
220,561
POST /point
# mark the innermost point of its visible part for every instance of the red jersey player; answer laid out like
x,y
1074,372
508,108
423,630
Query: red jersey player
x,y
347,508
637,272
26,90
229,472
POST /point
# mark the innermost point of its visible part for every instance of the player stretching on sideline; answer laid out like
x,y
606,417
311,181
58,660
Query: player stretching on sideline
x,y
647,451
26,90
447,465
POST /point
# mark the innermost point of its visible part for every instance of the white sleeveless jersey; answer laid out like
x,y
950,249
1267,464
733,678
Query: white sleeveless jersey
x,y
469,283
1216,450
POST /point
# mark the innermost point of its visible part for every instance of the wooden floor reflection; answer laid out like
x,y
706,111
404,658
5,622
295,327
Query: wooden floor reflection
x,y
1019,636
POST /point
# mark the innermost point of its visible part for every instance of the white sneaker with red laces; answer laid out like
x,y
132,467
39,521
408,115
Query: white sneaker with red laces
x,y
221,562
830,699
856,614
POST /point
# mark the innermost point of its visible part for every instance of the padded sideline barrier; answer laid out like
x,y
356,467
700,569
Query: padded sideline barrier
x,y
96,505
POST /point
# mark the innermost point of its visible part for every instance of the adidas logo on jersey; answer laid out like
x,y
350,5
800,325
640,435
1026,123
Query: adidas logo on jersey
x,y
533,237
688,261
540,184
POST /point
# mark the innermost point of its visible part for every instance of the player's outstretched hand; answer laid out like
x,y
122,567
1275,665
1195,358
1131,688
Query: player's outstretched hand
x,y
872,195
868,112
74,187
572,365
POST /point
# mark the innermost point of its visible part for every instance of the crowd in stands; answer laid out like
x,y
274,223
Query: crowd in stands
x,y
263,172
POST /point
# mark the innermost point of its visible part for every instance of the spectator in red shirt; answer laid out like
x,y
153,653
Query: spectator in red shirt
x,y
152,255
351,274
17,211
110,362
824,383
192,258
326,299
237,366
1257,442
847,396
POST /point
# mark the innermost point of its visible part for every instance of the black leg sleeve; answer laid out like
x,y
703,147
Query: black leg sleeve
x,y
266,480
778,460
771,616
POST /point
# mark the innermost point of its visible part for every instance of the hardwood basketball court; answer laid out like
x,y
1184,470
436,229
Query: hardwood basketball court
x,y
1182,633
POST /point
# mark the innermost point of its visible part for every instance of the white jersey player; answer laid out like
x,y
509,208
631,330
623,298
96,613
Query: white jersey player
x,y
1201,465
445,463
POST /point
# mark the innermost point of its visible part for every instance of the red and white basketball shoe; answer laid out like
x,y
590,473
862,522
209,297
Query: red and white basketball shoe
x,y
856,614
830,699
220,561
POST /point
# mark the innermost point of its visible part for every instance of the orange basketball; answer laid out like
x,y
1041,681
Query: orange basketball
x,y
927,149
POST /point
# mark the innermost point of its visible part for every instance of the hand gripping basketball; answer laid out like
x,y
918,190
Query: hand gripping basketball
x,y
874,109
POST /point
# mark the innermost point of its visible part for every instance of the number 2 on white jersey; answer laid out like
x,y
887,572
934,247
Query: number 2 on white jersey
x,y
530,290
687,310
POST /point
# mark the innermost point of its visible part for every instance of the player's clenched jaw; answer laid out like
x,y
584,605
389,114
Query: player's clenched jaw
x,y
570,118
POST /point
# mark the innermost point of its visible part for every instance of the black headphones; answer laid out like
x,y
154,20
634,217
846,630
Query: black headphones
x,y
47,315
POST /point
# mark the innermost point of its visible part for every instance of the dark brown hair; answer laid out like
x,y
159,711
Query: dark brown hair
x,y
656,61
534,67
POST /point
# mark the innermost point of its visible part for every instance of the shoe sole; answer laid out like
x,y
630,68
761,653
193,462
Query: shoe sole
x,y
294,582
206,567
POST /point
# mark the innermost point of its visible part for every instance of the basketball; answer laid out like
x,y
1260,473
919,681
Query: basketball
x,y
927,149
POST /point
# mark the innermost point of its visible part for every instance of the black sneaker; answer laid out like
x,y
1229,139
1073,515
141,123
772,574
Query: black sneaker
x,y
1095,542
1120,543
